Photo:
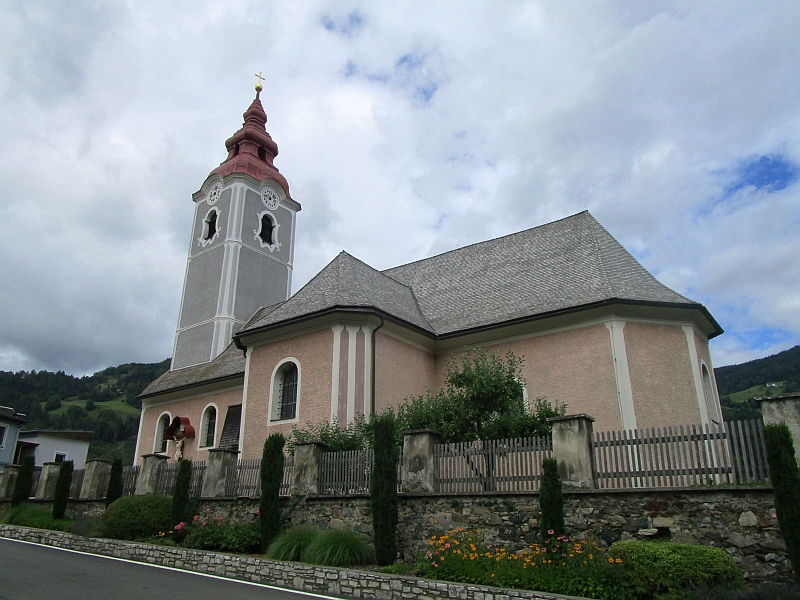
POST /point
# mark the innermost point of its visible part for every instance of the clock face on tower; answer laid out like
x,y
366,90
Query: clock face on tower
x,y
270,199
214,192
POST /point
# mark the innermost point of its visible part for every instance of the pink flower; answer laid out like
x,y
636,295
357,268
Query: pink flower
x,y
550,532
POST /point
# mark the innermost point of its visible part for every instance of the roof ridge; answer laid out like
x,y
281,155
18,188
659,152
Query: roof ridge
x,y
601,263
508,235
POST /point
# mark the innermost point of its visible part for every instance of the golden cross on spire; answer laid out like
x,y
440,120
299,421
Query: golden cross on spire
x,y
259,87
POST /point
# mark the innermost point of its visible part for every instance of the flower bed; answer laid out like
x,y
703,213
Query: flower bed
x,y
559,566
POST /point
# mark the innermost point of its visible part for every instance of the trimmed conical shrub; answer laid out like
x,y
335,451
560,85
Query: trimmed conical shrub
x,y
271,477
180,495
61,494
785,476
383,489
114,489
24,483
551,502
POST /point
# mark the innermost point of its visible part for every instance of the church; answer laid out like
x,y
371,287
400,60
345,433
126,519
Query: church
x,y
596,330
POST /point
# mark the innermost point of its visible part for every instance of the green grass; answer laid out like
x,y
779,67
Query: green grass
x,y
123,450
31,515
118,406
339,548
757,391
291,544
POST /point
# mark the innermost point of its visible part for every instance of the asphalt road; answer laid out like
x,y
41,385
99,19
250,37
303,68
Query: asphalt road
x,y
33,572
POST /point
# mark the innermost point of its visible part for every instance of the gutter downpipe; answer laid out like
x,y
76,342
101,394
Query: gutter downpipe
x,y
372,383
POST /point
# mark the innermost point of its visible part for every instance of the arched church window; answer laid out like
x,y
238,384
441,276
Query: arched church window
x,y
160,443
209,426
289,392
267,229
210,228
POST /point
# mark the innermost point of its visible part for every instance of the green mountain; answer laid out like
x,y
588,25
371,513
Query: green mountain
x,y
104,403
739,385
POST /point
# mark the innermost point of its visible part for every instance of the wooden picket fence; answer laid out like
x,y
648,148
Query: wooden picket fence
x,y
345,473
166,473
129,477
77,482
513,465
730,453
243,479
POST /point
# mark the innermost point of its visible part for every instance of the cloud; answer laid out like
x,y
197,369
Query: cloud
x,y
404,130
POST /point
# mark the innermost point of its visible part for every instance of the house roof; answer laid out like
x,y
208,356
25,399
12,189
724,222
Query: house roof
x,y
569,264
66,434
9,415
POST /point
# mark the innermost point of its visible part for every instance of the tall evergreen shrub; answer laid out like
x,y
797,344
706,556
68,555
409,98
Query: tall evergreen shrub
x,y
785,476
61,494
551,502
180,495
114,489
271,477
24,483
383,489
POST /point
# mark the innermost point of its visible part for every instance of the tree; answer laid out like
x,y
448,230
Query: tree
x,y
180,496
785,477
271,479
551,502
24,483
114,490
383,489
63,484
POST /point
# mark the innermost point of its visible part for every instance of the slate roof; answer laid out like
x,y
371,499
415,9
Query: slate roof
x,y
563,265
229,363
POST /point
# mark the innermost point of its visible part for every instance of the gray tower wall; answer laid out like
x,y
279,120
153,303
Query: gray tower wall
x,y
232,276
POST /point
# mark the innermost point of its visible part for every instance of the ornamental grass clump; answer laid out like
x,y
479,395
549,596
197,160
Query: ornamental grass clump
x,y
339,548
32,515
292,544
559,566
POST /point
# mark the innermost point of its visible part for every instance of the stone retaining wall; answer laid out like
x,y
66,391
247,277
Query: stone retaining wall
x,y
348,583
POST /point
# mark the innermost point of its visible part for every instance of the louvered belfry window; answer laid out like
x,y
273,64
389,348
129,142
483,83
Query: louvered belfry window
x,y
289,392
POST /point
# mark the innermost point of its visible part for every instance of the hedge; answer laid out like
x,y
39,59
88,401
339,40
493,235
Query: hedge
x,y
137,517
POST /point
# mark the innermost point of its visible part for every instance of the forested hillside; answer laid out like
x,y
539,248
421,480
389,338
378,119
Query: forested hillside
x,y
739,385
104,403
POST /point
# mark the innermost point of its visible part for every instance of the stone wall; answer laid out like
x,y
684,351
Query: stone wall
x,y
350,583
740,521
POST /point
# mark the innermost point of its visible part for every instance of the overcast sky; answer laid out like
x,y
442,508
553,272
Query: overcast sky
x,y
405,129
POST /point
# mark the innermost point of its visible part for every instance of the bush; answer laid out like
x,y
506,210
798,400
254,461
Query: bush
x,y
180,495
383,489
551,501
114,490
269,511
338,548
559,566
668,568
61,494
137,517
785,477
292,544
24,482
32,515
217,533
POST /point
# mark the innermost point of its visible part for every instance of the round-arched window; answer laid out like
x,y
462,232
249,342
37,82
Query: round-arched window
x,y
209,426
285,388
160,443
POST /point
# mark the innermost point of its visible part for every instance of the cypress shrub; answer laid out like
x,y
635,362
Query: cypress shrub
x,y
785,476
24,483
114,490
180,495
383,489
551,502
61,495
269,511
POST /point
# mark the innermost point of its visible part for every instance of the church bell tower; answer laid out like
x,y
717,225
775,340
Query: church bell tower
x,y
242,244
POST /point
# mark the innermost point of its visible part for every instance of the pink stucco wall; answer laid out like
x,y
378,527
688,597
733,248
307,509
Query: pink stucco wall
x,y
193,409
314,354
402,371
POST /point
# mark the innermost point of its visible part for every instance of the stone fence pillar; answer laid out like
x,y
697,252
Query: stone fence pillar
x,y
148,474
46,488
573,448
220,460
95,479
9,481
305,470
783,409
417,469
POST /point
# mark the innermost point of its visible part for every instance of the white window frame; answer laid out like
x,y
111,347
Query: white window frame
x,y
204,240
275,227
204,426
5,429
156,439
275,388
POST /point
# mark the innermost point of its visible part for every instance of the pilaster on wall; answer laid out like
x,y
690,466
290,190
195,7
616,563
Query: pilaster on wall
x,y
783,409
696,375
216,474
417,470
351,376
573,448
622,374
95,479
305,470
46,488
148,475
